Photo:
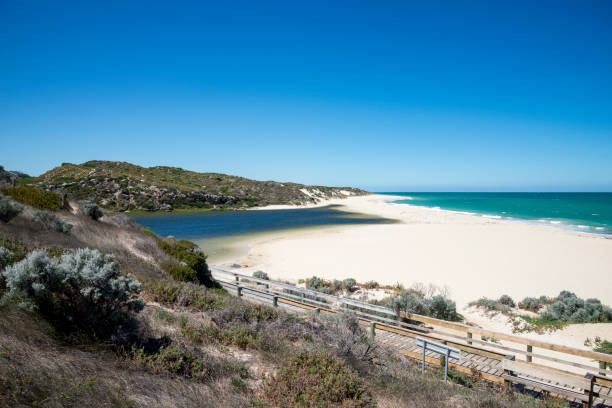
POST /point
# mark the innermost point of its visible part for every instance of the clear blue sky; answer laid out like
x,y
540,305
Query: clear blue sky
x,y
389,96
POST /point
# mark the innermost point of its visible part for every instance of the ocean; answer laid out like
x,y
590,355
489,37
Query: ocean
x,y
585,212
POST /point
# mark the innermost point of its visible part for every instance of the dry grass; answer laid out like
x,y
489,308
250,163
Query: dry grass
x,y
38,370
194,347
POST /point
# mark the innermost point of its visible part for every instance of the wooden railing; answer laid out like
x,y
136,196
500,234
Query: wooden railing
x,y
456,334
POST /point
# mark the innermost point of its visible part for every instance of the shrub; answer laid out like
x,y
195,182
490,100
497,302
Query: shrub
x,y
191,257
260,275
601,346
9,209
442,308
187,295
16,247
35,197
506,300
317,380
530,303
84,291
348,284
51,221
182,362
415,302
314,283
570,308
92,210
180,271
6,257
323,286
371,285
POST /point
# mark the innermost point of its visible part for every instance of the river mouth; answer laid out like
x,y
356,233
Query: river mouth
x,y
226,235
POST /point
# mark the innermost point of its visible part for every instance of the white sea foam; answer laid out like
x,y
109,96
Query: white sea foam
x,y
599,228
555,222
583,226
495,217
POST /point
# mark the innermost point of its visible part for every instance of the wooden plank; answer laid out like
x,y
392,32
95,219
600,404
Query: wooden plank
x,y
514,339
297,304
602,381
532,370
546,387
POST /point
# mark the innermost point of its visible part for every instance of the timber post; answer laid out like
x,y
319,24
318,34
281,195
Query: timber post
x,y
529,350
275,301
591,379
469,338
372,329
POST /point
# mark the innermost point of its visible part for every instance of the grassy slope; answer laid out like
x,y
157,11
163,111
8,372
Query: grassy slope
x,y
122,186
240,353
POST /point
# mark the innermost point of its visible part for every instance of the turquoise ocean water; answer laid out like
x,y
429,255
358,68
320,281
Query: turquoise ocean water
x,y
586,212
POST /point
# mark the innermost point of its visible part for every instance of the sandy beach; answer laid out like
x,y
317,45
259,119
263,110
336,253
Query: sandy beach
x,y
472,256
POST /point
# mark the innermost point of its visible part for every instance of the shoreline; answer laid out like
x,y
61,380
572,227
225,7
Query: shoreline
x,y
470,246
470,255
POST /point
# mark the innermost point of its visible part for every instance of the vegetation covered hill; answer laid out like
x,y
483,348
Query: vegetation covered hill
x,y
120,186
9,178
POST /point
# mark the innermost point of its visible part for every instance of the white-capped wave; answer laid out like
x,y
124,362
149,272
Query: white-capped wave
x,y
583,226
555,222
495,217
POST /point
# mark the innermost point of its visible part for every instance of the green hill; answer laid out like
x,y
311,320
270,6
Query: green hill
x,y
121,186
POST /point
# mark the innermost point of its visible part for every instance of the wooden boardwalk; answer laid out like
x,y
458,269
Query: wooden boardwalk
x,y
487,364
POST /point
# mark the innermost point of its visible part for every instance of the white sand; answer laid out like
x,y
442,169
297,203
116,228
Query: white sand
x,y
473,256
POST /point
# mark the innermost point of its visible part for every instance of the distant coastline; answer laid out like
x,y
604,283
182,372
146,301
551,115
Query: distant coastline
x,y
589,213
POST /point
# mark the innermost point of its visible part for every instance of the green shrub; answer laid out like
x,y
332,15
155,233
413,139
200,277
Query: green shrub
x,y
317,380
324,286
9,209
260,275
348,284
491,305
601,346
92,210
18,248
50,221
415,302
35,197
82,292
570,308
371,285
187,295
506,300
182,362
180,271
530,303
442,308
191,257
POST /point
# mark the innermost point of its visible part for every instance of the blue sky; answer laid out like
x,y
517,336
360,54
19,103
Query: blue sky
x,y
388,96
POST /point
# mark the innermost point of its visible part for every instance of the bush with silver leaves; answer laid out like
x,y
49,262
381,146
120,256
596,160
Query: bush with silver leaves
x,y
50,221
83,291
92,210
260,275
